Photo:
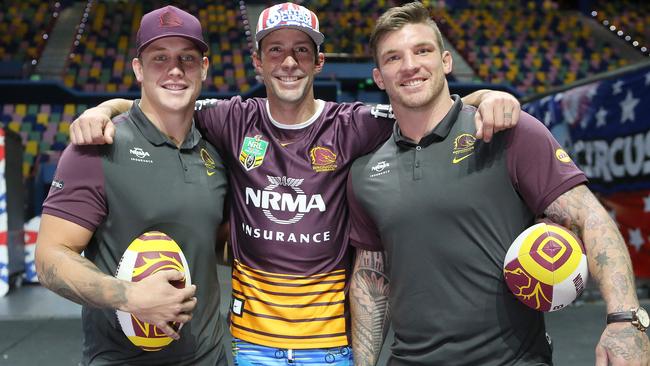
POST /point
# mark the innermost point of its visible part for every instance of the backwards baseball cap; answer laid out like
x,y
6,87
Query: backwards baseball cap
x,y
288,15
169,21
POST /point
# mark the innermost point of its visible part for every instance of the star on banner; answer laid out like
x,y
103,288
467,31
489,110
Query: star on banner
x,y
600,117
617,87
635,238
646,203
627,106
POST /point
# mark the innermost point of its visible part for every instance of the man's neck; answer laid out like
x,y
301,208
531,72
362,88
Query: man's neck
x,y
292,113
174,124
415,123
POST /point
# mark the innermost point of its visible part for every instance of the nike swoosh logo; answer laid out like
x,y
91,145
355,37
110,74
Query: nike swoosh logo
x,y
210,173
285,144
458,160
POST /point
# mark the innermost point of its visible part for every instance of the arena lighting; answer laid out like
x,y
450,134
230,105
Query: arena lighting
x,y
628,38
620,33
643,49
594,13
45,36
612,28
635,44
605,22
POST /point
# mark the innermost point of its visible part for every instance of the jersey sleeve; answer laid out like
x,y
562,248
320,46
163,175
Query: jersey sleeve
x,y
363,232
539,168
371,126
77,193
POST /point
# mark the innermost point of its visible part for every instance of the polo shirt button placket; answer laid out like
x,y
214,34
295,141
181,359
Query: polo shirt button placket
x,y
417,170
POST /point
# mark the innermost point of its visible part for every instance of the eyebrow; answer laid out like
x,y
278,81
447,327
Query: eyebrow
x,y
393,50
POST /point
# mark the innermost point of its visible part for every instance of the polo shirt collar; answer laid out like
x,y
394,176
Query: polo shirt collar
x,y
153,134
439,133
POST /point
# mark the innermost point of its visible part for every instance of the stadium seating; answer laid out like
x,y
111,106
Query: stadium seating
x,y
101,62
22,28
533,47
630,16
43,128
347,24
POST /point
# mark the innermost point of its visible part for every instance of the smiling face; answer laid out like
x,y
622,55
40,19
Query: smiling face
x,y
171,71
411,66
288,61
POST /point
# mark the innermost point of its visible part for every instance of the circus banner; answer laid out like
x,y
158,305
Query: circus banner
x,y
605,126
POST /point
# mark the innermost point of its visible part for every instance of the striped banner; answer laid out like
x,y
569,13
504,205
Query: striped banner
x,y
4,252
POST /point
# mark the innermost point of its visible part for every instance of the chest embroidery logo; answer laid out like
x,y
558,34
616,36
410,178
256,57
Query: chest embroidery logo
x,y
209,163
463,147
252,152
380,169
322,159
137,154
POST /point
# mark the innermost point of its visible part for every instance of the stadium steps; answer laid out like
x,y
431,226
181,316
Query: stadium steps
x,y
56,51
622,47
461,69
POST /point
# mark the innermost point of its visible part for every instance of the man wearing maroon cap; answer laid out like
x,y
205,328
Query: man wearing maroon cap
x,y
106,196
288,156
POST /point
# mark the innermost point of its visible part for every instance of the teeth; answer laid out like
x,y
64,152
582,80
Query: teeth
x,y
174,86
288,79
413,82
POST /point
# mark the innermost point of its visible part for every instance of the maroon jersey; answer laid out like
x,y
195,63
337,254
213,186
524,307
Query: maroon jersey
x,y
289,216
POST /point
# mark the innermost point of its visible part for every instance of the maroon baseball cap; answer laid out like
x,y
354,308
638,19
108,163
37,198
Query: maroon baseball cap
x,y
169,21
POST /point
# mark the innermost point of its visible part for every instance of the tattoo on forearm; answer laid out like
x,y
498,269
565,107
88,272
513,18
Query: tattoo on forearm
x,y
369,301
607,254
99,294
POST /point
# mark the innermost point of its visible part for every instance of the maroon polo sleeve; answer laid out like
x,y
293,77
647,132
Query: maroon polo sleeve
x,y
363,231
77,193
539,167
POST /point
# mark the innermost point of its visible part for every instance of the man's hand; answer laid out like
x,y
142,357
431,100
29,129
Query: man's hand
x,y
93,127
156,301
623,344
497,111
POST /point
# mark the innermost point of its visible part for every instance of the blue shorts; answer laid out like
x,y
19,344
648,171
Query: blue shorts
x,y
249,354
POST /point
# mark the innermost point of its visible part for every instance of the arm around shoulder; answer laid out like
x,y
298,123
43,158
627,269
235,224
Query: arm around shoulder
x,y
94,125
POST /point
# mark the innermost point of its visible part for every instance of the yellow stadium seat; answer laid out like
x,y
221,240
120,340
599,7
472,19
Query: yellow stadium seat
x,y
31,147
14,126
21,109
69,109
64,127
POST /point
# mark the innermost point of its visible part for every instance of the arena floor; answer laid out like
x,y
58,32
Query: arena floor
x,y
38,327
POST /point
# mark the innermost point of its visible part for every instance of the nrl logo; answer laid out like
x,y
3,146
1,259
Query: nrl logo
x,y
252,152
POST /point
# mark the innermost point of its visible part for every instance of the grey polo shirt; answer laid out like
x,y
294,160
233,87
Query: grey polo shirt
x,y
445,210
143,182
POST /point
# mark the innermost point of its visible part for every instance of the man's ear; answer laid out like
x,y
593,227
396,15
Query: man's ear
x,y
205,65
379,80
447,62
136,63
320,62
257,62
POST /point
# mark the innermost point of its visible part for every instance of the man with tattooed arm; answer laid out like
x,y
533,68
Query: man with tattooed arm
x,y
431,242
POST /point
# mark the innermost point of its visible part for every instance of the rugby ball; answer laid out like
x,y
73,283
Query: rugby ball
x,y
149,253
546,267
